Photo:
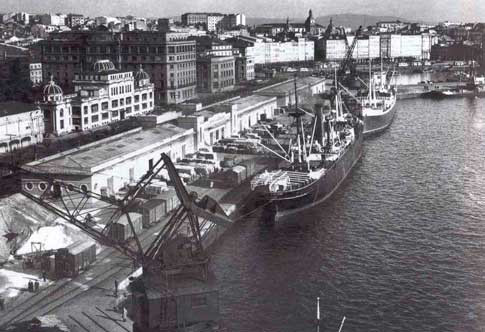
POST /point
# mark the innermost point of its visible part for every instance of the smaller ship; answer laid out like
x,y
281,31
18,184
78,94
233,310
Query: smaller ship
x,y
378,104
313,166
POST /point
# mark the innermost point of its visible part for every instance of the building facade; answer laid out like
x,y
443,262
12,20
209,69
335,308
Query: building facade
x,y
266,52
20,125
36,73
102,96
215,73
209,20
232,21
389,46
168,57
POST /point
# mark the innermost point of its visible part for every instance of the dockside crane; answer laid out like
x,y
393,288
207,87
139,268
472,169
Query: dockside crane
x,y
347,62
177,250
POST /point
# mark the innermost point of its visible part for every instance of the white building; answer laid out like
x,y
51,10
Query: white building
x,y
106,166
102,96
374,46
20,125
266,51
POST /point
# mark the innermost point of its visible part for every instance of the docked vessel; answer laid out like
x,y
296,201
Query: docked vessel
x,y
315,165
378,104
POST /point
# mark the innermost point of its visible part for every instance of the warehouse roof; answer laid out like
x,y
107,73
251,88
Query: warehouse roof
x,y
92,157
250,101
14,107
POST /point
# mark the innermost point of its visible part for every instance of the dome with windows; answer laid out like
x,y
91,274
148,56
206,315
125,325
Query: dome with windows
x,y
101,66
52,91
141,77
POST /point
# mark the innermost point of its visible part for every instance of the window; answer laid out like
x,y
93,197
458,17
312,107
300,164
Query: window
x,y
86,121
128,100
114,114
61,113
137,108
104,106
144,96
150,164
137,98
84,188
94,118
114,103
42,186
105,116
144,105
94,108
128,110
122,102
29,186
85,110
62,124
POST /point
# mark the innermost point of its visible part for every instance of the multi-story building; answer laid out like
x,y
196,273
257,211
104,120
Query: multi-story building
x,y
36,73
22,18
231,21
209,20
102,95
74,20
21,125
215,73
389,46
50,19
168,57
266,52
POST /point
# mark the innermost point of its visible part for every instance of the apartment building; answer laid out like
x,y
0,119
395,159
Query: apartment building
x,y
168,57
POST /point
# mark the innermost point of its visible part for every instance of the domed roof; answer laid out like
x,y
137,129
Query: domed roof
x,y
141,75
52,88
103,66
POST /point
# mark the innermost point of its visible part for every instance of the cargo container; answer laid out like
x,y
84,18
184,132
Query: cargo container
x,y
121,231
76,257
152,211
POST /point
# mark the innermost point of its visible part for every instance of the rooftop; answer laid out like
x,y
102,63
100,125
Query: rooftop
x,y
15,107
93,157
250,101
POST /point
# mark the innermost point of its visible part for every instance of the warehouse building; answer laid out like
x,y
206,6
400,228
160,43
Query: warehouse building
x,y
285,91
214,123
108,165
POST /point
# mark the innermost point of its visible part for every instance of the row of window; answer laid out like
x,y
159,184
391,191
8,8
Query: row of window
x,y
42,186
121,89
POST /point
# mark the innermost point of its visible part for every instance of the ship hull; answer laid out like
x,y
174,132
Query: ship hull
x,y
374,124
282,208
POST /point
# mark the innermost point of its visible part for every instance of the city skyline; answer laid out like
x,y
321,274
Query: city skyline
x,y
414,10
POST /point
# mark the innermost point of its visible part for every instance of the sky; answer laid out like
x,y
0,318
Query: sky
x,y
413,10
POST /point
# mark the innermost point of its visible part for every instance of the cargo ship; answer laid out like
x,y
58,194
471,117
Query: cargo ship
x,y
378,104
314,166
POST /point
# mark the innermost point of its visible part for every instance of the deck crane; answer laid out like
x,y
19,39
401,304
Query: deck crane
x,y
174,264
347,61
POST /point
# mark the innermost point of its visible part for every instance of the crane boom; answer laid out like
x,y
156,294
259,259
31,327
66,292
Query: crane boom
x,y
348,56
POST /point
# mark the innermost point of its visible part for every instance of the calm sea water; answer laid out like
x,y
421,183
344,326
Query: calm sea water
x,y
399,247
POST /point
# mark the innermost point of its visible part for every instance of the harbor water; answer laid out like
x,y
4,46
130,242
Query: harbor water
x,y
399,247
